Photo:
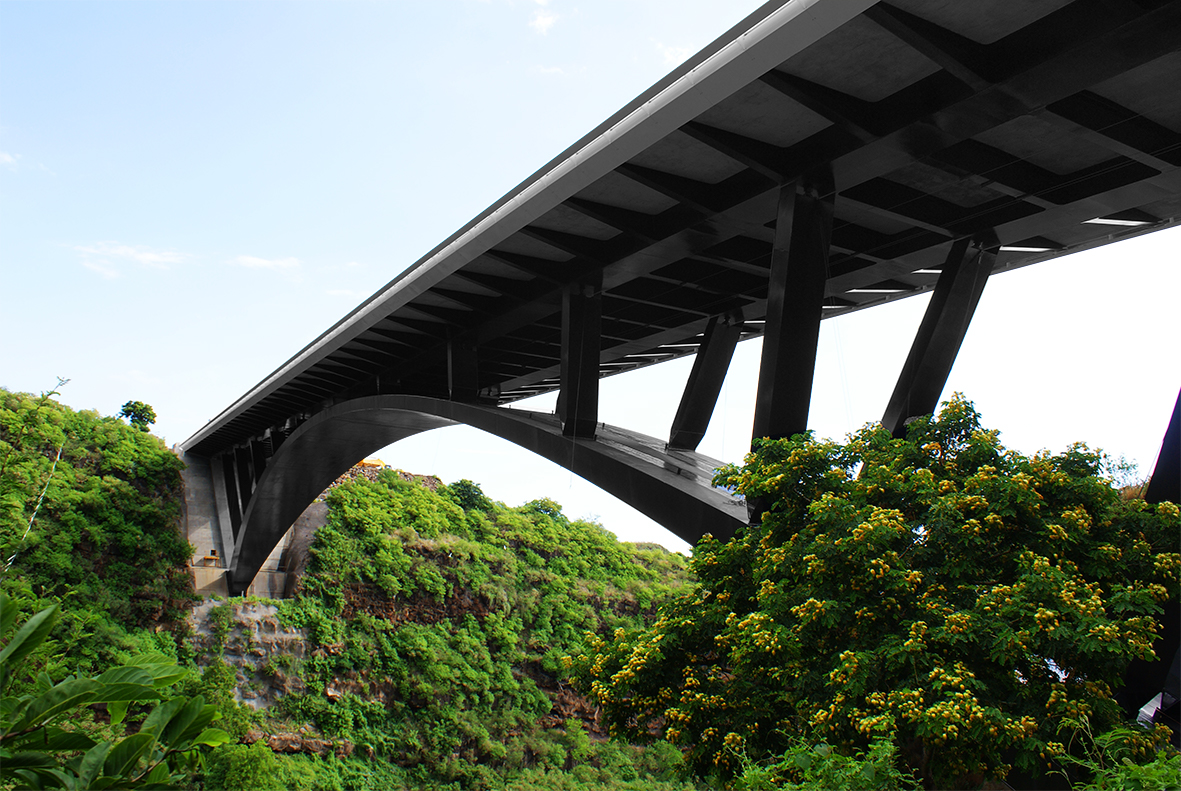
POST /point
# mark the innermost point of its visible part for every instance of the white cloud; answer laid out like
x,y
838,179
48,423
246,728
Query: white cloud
x,y
253,262
157,259
551,69
106,272
673,56
7,159
104,257
542,21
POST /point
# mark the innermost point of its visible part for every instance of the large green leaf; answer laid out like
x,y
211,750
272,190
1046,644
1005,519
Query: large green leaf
x,y
162,670
7,614
207,715
175,730
113,693
126,675
53,740
31,635
92,763
72,693
213,737
160,776
25,760
162,715
125,755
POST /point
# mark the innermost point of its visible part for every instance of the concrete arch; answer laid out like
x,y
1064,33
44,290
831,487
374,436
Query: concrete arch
x,y
669,486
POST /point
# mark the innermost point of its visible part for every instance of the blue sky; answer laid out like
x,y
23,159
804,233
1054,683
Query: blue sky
x,y
190,192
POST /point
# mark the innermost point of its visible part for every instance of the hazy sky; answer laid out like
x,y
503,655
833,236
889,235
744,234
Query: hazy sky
x,y
190,192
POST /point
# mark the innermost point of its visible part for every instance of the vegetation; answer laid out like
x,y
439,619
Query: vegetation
x,y
437,632
50,739
105,545
139,414
931,612
957,600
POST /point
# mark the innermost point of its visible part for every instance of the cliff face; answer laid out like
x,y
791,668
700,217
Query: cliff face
x,y
250,639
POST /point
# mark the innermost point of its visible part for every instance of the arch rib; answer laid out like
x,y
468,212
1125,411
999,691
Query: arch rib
x,y
672,487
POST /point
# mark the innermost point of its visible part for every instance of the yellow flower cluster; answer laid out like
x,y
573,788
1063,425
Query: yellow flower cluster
x,y
809,610
1047,620
1077,518
767,588
918,631
1167,563
957,623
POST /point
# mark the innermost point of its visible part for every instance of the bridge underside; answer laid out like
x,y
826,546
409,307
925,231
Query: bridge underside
x,y
673,487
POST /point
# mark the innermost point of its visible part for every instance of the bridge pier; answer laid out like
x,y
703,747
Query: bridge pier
x,y
578,399
795,299
705,382
942,331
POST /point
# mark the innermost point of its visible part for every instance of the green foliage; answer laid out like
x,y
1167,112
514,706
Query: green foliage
x,y
242,767
105,546
469,496
447,627
138,414
1117,760
819,767
956,598
48,735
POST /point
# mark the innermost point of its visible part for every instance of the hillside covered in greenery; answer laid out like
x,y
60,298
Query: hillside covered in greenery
x,y
433,622
104,541
935,611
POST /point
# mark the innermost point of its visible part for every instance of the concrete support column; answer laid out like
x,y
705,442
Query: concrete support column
x,y
245,481
705,382
578,400
941,332
799,264
462,371
229,467
258,460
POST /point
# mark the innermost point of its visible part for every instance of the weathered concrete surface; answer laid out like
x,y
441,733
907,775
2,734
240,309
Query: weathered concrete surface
x,y
295,559
280,571
201,526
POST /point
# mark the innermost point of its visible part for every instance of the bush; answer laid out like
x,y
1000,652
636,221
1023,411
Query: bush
x,y
244,767
939,591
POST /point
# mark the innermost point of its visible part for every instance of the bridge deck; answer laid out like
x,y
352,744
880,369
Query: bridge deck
x,y
1054,124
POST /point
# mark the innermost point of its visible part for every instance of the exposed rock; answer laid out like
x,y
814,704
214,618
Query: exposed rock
x,y
291,743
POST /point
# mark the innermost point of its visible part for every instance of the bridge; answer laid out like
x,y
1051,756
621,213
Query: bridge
x,y
821,157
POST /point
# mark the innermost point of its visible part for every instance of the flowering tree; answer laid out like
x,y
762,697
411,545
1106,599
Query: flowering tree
x,y
959,599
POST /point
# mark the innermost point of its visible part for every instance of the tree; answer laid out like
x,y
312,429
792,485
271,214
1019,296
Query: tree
x,y
138,414
959,599
46,740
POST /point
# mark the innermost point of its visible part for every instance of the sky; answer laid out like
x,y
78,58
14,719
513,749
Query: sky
x,y
191,192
